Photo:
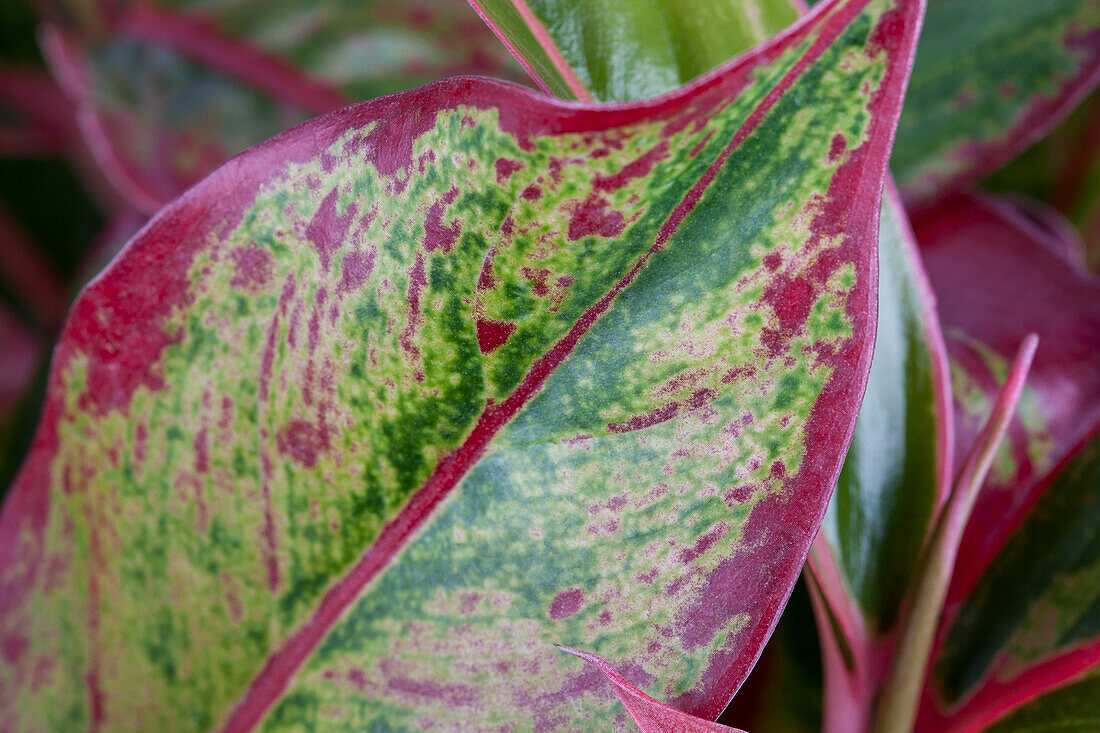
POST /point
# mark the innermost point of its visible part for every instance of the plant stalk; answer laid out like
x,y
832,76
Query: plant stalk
x,y
901,693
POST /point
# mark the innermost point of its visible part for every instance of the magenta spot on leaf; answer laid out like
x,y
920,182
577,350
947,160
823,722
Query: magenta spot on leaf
x,y
592,217
792,301
252,267
537,277
417,280
533,192
438,238
202,452
566,603
12,647
327,230
637,168
837,147
704,543
356,267
491,335
302,441
506,167
486,280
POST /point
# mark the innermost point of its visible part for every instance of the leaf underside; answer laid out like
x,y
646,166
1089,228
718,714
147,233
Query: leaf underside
x,y
358,427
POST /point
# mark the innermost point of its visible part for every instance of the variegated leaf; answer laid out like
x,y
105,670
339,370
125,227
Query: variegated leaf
x,y
1021,612
356,429
991,77
623,50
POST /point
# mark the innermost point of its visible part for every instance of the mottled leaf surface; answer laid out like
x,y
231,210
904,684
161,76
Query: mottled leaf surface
x,y
1020,614
359,427
622,50
991,77
170,90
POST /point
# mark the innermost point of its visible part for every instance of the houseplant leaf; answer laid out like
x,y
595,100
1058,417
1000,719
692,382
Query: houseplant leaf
x,y
622,50
991,78
1064,170
1011,633
388,499
897,471
170,90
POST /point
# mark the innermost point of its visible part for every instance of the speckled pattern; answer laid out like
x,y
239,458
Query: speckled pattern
x,y
356,429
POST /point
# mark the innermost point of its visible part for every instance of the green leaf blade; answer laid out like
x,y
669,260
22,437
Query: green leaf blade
x,y
658,44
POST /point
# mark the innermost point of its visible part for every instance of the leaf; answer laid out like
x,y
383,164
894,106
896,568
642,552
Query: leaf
x,y
1027,542
1064,169
995,280
991,77
623,50
897,471
648,714
895,478
170,90
1074,708
35,118
359,427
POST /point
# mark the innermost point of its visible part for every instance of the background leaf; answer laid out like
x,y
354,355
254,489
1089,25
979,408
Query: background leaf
x,y
170,90
622,50
1029,539
991,77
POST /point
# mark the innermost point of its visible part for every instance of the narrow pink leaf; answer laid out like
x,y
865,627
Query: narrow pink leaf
x,y
651,716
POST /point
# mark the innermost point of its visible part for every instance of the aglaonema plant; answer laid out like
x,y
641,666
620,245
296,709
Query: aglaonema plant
x,y
368,420
426,387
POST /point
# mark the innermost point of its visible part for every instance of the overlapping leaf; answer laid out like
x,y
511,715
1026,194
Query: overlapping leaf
x,y
991,77
896,474
895,478
1022,610
623,50
1064,170
360,425
169,90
